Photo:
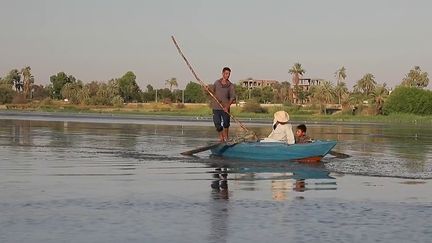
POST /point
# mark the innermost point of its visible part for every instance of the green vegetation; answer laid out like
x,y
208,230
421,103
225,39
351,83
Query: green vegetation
x,y
28,81
253,106
416,78
368,101
296,71
58,82
409,100
171,83
297,113
366,84
341,88
323,94
13,79
6,94
298,94
128,89
194,93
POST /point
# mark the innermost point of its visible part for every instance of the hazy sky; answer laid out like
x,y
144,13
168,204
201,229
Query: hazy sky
x,y
103,39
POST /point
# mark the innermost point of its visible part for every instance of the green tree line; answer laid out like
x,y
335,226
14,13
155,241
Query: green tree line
x,y
18,86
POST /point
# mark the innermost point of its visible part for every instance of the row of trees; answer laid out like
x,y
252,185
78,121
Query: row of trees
x,y
125,89
113,92
366,90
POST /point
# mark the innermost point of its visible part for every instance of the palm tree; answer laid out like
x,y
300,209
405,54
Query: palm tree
x,y
171,82
318,96
329,91
28,80
379,94
323,94
341,90
366,84
340,75
416,78
296,71
345,99
14,80
355,99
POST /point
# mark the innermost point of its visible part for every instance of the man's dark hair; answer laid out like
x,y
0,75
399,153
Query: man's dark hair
x,y
302,127
226,69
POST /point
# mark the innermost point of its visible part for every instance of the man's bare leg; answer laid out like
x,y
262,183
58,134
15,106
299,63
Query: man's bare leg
x,y
226,134
221,137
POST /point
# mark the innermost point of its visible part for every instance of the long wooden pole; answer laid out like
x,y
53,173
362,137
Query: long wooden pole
x,y
203,84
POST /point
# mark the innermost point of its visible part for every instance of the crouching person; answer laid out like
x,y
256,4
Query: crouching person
x,y
300,136
282,130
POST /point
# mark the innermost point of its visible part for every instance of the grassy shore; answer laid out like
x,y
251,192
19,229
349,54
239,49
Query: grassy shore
x,y
203,110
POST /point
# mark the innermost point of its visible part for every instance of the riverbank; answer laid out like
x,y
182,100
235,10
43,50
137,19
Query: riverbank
x,y
203,112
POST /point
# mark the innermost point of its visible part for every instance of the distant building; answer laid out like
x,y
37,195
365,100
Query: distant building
x,y
305,84
257,83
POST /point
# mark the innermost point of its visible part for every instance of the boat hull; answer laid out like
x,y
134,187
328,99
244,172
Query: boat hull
x,y
264,151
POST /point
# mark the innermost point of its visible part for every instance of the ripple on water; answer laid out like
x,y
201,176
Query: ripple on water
x,y
381,166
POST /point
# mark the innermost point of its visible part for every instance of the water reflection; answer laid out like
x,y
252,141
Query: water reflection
x,y
283,178
219,213
220,184
21,133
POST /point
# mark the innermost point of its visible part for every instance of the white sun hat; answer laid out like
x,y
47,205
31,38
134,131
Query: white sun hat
x,y
280,116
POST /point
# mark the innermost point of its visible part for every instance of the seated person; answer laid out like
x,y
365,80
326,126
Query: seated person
x,y
282,130
300,136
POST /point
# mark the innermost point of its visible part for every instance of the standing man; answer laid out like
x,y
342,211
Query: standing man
x,y
224,91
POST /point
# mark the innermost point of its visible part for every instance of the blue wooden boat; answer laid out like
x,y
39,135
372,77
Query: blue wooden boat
x,y
275,151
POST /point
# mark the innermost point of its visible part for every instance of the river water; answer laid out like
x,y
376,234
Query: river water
x,y
84,178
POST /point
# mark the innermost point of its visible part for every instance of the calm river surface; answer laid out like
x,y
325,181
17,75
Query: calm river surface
x,y
82,178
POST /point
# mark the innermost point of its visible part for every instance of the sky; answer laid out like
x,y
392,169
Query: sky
x,y
97,40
